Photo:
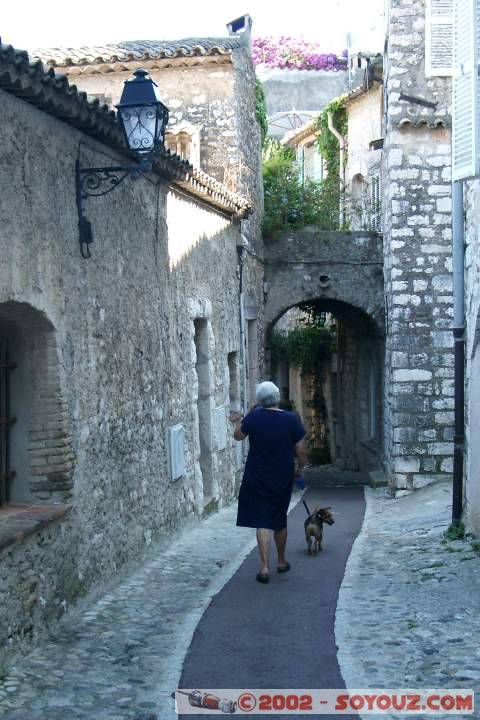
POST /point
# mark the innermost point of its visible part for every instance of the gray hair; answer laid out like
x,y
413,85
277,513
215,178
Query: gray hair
x,y
267,394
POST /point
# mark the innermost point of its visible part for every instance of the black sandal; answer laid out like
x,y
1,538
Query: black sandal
x,y
263,578
284,569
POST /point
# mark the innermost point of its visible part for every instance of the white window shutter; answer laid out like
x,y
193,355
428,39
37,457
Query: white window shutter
x,y
465,116
438,37
375,203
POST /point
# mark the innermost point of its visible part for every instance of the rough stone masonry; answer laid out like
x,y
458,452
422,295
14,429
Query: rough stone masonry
x,y
418,267
115,351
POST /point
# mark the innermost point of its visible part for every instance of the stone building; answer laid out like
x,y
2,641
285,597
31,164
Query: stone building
x,y
311,165
363,170
117,373
417,244
466,174
208,84
407,149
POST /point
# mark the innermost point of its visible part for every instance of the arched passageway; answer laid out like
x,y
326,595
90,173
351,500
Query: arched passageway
x,y
341,275
36,458
340,399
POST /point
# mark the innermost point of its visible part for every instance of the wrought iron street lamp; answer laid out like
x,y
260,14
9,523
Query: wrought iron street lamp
x,y
143,115
144,118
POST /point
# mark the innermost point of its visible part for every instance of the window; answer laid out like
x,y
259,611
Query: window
x,y
438,37
204,406
253,370
184,140
300,156
233,382
465,115
359,203
375,203
313,163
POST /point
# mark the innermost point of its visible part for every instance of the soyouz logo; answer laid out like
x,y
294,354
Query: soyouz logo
x,y
433,702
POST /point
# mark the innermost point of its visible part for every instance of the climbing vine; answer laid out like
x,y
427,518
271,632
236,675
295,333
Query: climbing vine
x,y
329,147
261,110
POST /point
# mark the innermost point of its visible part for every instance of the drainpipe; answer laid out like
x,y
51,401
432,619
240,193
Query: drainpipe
x,y
241,250
341,142
458,234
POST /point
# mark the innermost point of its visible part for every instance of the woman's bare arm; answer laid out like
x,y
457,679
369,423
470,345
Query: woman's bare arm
x,y
237,433
301,453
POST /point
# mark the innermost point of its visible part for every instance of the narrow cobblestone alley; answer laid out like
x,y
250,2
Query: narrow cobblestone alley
x,y
414,596
406,616
121,659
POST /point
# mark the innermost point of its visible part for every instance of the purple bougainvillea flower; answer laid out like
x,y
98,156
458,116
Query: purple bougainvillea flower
x,y
288,52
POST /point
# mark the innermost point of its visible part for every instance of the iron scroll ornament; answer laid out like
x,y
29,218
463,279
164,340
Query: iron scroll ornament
x,y
96,182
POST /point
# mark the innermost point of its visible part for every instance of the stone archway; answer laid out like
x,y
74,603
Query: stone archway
x,y
307,264
36,456
352,387
342,273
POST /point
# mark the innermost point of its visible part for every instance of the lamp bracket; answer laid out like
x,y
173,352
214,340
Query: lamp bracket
x,y
96,182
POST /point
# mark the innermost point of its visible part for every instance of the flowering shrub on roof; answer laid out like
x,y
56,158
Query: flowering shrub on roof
x,y
293,53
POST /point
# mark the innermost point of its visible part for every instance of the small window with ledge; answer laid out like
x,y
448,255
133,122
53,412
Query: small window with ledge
x,y
184,140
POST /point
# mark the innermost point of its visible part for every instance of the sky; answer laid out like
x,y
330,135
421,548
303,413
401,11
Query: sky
x,y
34,24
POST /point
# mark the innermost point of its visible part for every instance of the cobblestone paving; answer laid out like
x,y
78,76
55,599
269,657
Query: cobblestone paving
x,y
121,659
408,611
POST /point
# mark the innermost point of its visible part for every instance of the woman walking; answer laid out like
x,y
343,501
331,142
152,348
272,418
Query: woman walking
x,y
276,439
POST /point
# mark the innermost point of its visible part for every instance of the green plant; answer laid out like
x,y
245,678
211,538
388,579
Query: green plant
x,y
261,110
306,346
329,147
456,531
290,203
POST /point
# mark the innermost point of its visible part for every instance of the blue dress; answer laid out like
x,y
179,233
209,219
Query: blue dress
x,y
267,482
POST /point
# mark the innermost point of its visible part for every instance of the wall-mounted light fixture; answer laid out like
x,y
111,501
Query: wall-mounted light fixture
x,y
144,118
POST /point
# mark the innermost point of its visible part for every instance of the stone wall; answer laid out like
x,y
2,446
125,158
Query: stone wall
x,y
417,247
200,94
364,125
122,326
309,264
472,355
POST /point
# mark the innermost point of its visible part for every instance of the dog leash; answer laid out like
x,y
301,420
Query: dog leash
x,y
306,506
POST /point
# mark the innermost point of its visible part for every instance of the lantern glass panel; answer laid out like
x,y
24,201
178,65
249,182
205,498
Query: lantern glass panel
x,y
140,125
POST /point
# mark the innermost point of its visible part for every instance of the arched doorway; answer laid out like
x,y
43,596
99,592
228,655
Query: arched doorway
x,y
36,458
340,399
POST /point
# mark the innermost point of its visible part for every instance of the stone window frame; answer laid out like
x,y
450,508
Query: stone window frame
x,y
184,140
206,487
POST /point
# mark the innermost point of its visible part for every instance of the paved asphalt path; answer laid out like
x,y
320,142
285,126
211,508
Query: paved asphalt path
x,y
279,635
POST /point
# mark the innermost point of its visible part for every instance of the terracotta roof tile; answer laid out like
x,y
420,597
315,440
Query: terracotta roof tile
x,y
135,50
53,94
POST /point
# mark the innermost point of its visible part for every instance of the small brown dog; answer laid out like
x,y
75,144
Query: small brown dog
x,y
314,528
